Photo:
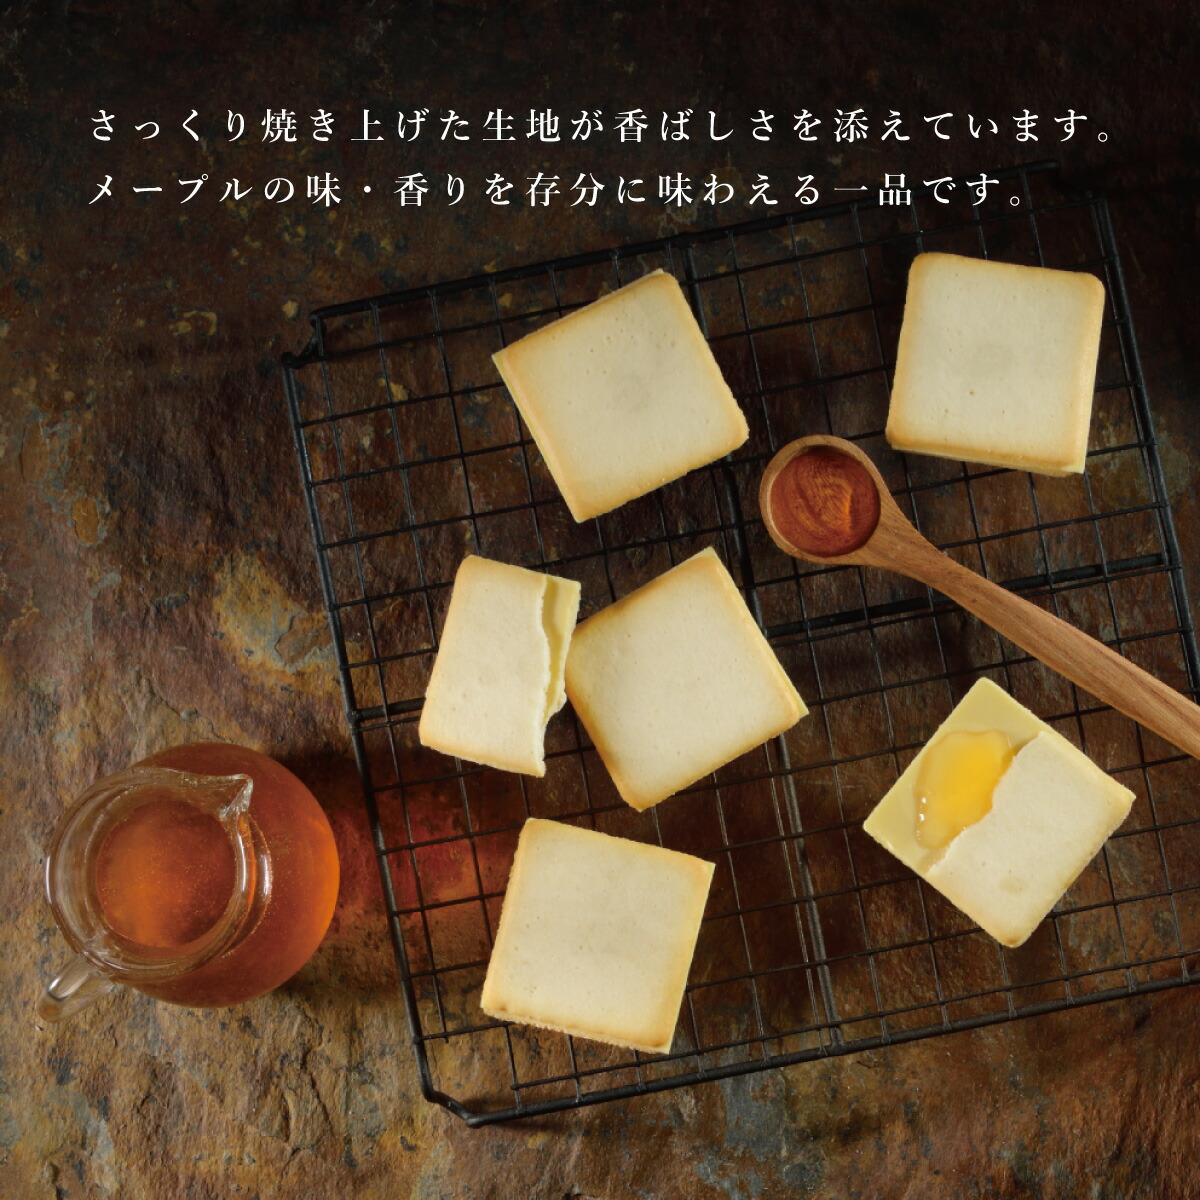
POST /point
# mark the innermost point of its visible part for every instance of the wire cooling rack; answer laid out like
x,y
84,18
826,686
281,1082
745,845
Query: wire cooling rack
x,y
816,942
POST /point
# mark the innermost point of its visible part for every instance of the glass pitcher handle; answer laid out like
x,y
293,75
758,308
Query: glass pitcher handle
x,y
76,986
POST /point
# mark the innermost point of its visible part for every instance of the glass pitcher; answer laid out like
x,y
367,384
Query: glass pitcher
x,y
205,875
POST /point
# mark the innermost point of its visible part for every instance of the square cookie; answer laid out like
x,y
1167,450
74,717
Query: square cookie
x,y
675,680
997,364
623,396
1051,809
498,676
596,936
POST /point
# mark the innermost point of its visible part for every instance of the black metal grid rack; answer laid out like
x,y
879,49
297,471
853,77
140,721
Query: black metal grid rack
x,y
816,942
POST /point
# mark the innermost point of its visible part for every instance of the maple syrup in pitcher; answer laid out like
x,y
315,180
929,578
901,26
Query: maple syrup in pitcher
x,y
205,875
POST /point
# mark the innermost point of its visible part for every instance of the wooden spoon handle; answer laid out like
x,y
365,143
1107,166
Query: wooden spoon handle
x,y
1070,651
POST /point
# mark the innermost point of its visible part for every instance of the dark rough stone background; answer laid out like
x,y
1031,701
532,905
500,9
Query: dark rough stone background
x,y
157,584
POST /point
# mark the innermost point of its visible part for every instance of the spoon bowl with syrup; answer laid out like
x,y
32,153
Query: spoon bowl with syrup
x,y
823,500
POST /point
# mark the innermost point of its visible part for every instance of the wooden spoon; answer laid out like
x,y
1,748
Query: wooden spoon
x,y
823,500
